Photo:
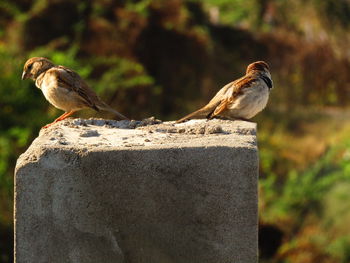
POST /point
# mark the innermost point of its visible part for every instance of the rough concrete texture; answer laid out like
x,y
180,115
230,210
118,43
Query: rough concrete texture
x,y
96,191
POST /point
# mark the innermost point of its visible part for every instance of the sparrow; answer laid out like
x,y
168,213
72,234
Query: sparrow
x,y
63,88
239,99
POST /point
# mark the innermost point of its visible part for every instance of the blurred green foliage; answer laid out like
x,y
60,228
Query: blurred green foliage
x,y
233,11
20,109
166,58
305,190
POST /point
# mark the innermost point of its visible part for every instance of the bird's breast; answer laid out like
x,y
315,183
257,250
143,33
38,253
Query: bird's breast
x,y
61,97
251,102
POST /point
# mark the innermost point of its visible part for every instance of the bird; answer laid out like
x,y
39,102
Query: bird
x,y
63,88
239,99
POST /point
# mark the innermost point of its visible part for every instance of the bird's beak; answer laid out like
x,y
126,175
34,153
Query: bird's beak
x,y
24,75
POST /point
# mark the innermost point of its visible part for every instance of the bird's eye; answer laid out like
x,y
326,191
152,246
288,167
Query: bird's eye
x,y
30,66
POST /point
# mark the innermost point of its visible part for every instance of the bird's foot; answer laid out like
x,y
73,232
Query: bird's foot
x,y
60,118
52,123
47,125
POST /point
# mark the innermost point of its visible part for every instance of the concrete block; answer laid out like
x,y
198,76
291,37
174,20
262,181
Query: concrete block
x,y
96,191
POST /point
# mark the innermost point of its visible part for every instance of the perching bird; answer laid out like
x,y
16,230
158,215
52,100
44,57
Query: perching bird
x,y
240,99
63,88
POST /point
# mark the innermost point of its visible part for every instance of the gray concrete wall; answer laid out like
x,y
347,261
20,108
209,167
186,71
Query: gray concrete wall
x,y
92,191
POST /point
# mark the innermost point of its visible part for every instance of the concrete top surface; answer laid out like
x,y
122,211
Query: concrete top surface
x,y
98,134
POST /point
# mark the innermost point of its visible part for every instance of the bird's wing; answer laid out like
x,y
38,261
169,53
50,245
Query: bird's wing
x,y
71,80
218,101
232,92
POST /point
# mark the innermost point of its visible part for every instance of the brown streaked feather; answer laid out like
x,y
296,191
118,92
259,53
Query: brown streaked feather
x,y
241,84
237,89
222,107
220,102
72,81
207,110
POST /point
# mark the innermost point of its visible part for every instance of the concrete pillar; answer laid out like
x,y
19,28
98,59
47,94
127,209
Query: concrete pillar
x,y
95,191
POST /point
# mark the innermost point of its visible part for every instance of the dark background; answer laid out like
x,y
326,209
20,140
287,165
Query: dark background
x,y
166,59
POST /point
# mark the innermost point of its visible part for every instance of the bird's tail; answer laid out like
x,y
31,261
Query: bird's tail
x,y
202,113
103,106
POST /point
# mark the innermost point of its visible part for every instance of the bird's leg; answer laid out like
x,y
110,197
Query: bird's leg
x,y
60,118
64,116
47,125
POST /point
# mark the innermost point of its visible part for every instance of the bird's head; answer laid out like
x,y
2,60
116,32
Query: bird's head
x,y
35,66
262,69
260,66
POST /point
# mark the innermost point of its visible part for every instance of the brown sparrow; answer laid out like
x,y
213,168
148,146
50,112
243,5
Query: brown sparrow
x,y
63,88
240,99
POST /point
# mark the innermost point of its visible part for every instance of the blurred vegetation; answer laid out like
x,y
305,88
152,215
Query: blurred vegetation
x,y
167,58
